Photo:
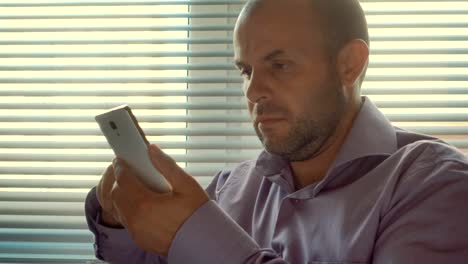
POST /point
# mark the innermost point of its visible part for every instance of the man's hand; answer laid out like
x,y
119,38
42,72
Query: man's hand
x,y
103,193
151,218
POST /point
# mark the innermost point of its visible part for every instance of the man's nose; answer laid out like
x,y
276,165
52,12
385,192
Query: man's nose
x,y
256,88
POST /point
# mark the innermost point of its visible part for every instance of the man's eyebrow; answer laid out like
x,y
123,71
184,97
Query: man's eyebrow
x,y
240,65
273,54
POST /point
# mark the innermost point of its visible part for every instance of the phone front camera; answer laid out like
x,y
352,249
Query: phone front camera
x,y
113,125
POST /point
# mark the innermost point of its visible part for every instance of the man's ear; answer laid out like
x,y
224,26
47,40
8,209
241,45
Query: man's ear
x,y
352,62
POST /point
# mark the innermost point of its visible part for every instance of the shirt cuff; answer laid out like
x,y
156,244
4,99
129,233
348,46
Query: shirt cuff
x,y
107,239
211,236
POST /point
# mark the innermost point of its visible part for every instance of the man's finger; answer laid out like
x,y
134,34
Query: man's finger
x,y
118,205
127,178
167,166
105,186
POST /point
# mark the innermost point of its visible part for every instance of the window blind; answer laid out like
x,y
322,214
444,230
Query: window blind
x,y
62,62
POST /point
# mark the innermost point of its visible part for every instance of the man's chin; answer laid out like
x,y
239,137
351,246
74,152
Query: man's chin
x,y
273,147
287,151
273,143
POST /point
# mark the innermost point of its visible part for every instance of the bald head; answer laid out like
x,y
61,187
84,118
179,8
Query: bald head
x,y
340,20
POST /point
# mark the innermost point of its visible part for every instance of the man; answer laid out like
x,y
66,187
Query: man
x,y
336,182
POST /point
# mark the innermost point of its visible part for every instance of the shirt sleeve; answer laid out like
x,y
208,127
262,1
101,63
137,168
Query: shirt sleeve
x,y
211,236
428,218
208,236
114,245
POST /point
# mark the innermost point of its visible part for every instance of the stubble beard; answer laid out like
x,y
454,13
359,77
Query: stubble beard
x,y
308,135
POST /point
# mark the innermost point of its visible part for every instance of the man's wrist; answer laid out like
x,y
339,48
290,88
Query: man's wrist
x,y
108,220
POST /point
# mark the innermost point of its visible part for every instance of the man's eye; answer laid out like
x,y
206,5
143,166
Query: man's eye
x,y
280,66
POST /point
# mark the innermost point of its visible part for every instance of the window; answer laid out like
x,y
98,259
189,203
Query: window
x,y
62,62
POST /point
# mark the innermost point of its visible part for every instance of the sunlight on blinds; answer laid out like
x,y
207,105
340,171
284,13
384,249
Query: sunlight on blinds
x,y
51,151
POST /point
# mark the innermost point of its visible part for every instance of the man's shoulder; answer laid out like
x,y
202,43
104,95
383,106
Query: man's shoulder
x,y
427,164
422,148
426,167
424,161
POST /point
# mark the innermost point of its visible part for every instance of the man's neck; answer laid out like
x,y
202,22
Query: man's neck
x,y
313,170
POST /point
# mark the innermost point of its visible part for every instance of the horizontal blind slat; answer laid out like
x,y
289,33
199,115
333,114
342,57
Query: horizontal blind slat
x,y
415,89
119,29
210,15
137,16
119,3
41,183
232,131
222,118
202,175
211,67
12,258
160,2
134,92
212,80
117,41
35,221
432,103
86,170
219,53
47,235
367,11
44,197
227,79
244,144
43,249
102,144
107,157
192,28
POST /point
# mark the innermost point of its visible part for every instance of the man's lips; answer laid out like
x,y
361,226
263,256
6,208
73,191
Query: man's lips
x,y
267,120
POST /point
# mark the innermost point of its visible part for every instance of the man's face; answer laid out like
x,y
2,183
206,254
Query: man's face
x,y
293,92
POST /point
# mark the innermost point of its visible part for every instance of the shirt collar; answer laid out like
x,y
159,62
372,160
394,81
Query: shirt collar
x,y
372,134
270,164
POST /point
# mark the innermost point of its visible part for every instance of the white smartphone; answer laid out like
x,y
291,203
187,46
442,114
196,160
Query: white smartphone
x,y
127,140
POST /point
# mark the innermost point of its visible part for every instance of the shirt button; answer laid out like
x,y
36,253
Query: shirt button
x,y
104,236
295,201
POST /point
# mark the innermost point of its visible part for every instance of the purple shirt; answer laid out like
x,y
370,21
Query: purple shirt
x,y
390,197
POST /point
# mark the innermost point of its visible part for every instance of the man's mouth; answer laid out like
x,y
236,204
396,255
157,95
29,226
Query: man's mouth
x,y
263,122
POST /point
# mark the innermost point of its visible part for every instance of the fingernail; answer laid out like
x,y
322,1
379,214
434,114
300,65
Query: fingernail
x,y
116,165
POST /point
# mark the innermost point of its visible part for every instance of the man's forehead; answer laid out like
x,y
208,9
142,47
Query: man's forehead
x,y
263,42
275,14
253,5
287,25
291,8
